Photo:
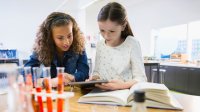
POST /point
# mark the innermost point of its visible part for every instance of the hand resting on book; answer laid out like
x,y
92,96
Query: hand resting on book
x,y
115,85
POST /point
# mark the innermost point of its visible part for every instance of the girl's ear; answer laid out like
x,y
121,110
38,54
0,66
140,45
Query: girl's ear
x,y
124,26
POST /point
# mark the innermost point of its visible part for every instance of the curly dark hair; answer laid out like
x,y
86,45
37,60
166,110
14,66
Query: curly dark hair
x,y
45,47
116,13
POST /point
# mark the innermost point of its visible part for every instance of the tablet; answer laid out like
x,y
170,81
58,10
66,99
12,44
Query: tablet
x,y
88,82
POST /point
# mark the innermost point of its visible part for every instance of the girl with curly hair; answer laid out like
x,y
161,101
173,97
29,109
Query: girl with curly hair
x,y
59,43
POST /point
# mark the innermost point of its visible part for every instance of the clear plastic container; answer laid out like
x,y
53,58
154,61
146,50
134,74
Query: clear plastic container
x,y
139,102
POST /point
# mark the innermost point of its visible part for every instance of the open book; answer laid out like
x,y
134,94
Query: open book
x,y
157,96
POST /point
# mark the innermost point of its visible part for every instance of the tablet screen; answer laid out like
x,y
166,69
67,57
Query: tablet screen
x,y
88,82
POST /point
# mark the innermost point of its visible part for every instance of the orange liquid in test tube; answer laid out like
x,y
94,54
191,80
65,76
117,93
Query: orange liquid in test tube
x,y
29,82
39,98
60,104
60,83
49,99
60,101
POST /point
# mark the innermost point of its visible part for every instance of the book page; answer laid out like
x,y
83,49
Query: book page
x,y
154,104
148,87
157,95
97,95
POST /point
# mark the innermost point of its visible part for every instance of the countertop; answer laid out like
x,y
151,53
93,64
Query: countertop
x,y
190,65
178,64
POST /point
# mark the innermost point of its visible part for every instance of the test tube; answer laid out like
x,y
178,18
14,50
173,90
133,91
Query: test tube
x,y
47,84
28,79
38,86
60,88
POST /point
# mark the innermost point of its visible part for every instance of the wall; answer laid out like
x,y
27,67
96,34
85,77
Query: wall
x,y
147,15
20,20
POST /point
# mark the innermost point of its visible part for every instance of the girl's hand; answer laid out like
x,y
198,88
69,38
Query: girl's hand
x,y
39,82
68,78
112,85
54,82
93,77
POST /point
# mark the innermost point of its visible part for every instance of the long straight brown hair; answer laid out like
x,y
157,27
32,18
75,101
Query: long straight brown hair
x,y
116,13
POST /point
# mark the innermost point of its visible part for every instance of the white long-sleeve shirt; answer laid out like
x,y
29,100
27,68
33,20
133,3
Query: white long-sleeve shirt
x,y
123,62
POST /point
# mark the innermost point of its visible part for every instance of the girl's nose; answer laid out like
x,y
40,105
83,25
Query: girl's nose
x,y
106,35
66,41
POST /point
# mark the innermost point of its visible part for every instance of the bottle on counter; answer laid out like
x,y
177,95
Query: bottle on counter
x,y
139,102
198,62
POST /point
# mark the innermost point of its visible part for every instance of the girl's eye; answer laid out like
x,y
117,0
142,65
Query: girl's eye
x,y
60,38
112,31
69,36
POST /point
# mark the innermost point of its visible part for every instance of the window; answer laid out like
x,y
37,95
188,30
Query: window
x,y
179,39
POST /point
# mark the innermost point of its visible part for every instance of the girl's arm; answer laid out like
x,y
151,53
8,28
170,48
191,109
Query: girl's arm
x,y
137,64
82,72
116,85
33,61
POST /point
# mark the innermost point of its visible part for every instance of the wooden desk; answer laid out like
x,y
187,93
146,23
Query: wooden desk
x,y
189,102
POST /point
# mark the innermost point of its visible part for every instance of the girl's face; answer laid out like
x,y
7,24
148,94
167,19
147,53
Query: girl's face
x,y
111,32
63,37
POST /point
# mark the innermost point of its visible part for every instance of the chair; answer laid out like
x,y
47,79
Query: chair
x,y
161,75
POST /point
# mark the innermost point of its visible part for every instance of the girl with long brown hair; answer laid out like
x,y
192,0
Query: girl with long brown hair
x,y
118,56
